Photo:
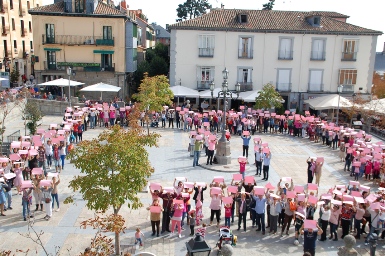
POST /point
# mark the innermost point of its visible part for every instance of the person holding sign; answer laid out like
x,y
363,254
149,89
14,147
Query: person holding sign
x,y
176,219
46,192
26,201
310,169
266,165
216,204
155,212
242,211
212,142
197,150
168,198
246,140
260,206
3,199
19,177
242,166
54,194
318,171
258,161
310,234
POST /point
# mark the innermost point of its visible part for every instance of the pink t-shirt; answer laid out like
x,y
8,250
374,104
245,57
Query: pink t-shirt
x,y
359,214
228,212
242,167
211,145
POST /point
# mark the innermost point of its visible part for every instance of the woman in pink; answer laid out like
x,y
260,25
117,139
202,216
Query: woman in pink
x,y
177,219
19,178
112,117
351,141
196,122
215,206
101,115
368,170
333,221
179,187
360,211
301,208
105,117
376,169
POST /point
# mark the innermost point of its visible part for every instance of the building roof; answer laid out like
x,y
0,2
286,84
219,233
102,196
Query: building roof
x,y
273,21
379,64
163,33
102,9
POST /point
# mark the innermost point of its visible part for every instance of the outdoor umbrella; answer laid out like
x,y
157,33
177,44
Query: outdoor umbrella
x,y
61,82
249,96
179,91
328,102
101,87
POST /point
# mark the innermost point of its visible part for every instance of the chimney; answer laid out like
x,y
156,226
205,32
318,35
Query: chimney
x,y
222,6
123,4
167,26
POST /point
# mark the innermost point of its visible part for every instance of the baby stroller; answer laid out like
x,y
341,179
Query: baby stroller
x,y
226,237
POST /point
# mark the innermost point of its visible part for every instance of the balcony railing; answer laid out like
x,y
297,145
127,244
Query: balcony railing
x,y
246,86
348,88
285,55
97,68
317,55
284,87
48,66
242,54
315,87
203,85
77,40
206,52
349,56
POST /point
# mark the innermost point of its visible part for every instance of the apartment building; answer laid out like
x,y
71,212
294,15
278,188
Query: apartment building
x,y
304,54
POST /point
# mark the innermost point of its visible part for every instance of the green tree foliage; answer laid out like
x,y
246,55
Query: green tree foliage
x,y
269,5
158,66
192,9
154,93
15,74
114,169
143,67
33,114
268,97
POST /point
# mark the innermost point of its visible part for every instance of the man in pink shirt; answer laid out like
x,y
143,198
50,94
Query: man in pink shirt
x,y
210,150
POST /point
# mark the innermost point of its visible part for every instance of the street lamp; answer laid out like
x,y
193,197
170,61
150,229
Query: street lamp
x,y
198,247
223,150
69,73
351,119
339,90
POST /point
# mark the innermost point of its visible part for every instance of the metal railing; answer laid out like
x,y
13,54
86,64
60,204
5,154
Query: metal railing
x,y
246,86
283,87
242,54
51,67
77,40
348,88
315,87
203,85
349,56
317,55
13,136
206,52
285,55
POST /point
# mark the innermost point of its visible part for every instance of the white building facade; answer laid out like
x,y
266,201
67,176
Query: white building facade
x,y
304,54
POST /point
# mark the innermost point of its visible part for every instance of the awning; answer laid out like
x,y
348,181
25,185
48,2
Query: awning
x,y
52,49
104,51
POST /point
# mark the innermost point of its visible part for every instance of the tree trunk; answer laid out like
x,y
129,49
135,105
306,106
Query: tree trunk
x,y
117,243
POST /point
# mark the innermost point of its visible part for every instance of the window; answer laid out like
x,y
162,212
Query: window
x,y
1,6
243,18
13,24
157,31
316,20
23,46
245,48
318,49
79,6
244,78
11,4
51,60
22,27
14,44
134,30
50,33
349,51
285,49
31,45
106,62
284,80
206,45
205,76
30,26
315,80
348,76
107,32
28,5
5,48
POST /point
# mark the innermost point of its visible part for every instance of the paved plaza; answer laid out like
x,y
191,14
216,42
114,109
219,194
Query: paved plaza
x,y
171,159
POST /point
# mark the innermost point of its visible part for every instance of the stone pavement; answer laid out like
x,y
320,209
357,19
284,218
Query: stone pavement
x,y
171,159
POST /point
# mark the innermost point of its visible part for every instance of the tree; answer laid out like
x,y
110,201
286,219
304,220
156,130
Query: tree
x,y
268,97
158,66
192,9
5,109
378,85
31,114
143,67
269,5
114,167
15,74
154,93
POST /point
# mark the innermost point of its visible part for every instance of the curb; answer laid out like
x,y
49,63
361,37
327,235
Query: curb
x,y
215,170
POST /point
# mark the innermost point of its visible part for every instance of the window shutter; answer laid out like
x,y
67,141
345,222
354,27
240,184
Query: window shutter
x,y
249,47
240,75
342,76
249,75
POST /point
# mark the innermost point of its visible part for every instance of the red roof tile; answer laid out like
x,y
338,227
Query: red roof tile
x,y
273,21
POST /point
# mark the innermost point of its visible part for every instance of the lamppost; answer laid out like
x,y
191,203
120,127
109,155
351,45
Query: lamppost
x,y
69,73
339,90
223,149
351,119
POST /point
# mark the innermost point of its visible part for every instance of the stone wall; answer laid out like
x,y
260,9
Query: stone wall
x,y
53,107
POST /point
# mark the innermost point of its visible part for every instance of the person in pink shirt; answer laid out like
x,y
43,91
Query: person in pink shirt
x,y
138,237
112,117
177,219
368,169
210,151
333,221
242,167
360,211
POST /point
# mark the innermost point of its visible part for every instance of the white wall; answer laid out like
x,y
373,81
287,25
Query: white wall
x,y
184,59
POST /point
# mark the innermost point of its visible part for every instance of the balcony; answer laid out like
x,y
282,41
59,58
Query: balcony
x,y
246,86
348,88
317,55
77,40
48,66
349,56
97,68
203,85
285,55
5,30
245,54
206,52
24,32
315,87
283,87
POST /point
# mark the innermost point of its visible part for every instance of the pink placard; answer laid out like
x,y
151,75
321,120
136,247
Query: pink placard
x,y
193,133
310,224
312,186
237,176
375,206
185,195
216,191
241,107
55,141
286,179
246,133
249,180
212,137
14,157
200,130
371,198
155,186
207,133
37,143
347,198
269,186
242,159
232,189
354,183
266,150
200,184
327,196
290,194
227,200
4,160
259,190
219,179
257,139
364,188
188,184
320,159
155,209
312,199
301,197
298,188
265,144
356,194
178,108
37,171
45,183
358,164
207,124
26,184
359,200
